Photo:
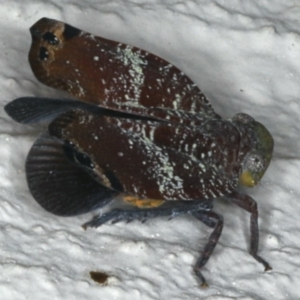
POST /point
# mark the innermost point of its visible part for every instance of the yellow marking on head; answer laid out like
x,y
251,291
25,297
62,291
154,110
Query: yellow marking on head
x,y
247,179
142,203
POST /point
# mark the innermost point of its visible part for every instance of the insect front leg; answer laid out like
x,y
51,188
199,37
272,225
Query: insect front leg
x,y
212,220
246,202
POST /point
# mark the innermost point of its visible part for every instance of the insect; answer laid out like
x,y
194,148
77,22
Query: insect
x,y
140,134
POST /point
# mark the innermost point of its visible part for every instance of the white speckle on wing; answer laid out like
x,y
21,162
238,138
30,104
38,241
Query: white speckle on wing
x,y
134,60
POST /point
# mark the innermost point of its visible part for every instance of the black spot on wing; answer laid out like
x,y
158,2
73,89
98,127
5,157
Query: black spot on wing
x,y
43,54
114,181
50,38
78,157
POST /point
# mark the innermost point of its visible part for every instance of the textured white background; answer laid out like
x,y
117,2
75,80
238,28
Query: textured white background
x,y
245,56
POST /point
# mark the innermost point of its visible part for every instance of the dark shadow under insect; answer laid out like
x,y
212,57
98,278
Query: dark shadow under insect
x,y
143,136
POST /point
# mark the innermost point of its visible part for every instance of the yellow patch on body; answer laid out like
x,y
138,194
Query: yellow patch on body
x,y
142,203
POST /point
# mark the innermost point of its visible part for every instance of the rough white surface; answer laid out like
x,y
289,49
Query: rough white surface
x,y
245,56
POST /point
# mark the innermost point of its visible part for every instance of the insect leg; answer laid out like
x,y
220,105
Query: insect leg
x,y
171,209
246,202
212,220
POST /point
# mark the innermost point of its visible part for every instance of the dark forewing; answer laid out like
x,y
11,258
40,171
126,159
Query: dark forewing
x,y
109,73
129,155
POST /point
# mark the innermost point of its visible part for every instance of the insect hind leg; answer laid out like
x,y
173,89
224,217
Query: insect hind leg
x,y
249,204
212,220
170,209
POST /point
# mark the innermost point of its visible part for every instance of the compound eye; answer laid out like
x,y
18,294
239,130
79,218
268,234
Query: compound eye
x,y
255,162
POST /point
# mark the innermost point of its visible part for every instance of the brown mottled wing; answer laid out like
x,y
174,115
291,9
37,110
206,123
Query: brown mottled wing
x,y
111,74
134,160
